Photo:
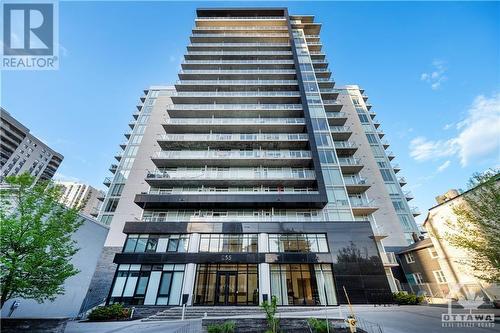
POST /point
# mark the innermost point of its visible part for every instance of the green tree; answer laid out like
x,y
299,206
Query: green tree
x,y
35,239
477,226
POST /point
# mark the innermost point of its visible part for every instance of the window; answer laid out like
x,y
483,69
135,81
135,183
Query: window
x,y
439,275
298,243
148,284
418,278
111,205
398,205
228,243
156,243
363,118
433,253
371,137
327,156
409,258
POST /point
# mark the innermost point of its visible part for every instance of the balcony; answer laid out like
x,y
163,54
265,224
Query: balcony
x,y
372,114
378,233
236,64
336,118
389,259
124,144
402,181
350,164
385,143
236,37
391,156
380,133
234,110
365,97
340,133
264,74
234,125
107,181
396,168
234,140
409,195
226,158
288,97
332,105
415,211
119,155
113,168
284,47
233,177
243,28
217,84
362,207
356,185
368,106
345,148
241,18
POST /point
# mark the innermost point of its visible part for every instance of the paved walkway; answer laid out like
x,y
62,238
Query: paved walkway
x,y
393,319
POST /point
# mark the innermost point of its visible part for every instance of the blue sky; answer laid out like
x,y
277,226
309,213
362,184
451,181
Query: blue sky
x,y
431,70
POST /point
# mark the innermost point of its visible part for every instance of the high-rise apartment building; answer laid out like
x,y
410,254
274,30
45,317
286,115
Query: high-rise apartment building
x,y
21,152
253,177
76,194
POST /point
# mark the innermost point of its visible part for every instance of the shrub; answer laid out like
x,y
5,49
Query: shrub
x,y
270,310
225,327
404,298
319,325
109,312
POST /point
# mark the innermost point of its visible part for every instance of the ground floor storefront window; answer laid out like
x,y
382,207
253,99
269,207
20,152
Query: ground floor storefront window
x,y
303,284
148,284
226,284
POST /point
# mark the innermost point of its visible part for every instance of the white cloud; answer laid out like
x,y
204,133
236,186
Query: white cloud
x,y
447,126
437,76
444,166
478,135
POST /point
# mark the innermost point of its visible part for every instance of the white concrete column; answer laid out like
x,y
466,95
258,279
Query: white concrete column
x,y
263,243
194,243
188,283
390,278
264,282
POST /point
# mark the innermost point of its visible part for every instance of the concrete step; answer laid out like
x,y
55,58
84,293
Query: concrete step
x,y
221,311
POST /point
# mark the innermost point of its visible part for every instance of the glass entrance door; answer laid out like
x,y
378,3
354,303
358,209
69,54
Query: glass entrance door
x,y
226,288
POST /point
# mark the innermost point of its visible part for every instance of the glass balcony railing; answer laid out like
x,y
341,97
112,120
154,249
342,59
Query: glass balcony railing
x,y
239,71
340,129
236,82
356,202
235,173
344,144
237,94
234,107
235,137
238,44
349,161
238,154
355,181
243,28
235,18
330,114
221,62
239,52
234,121
240,35
331,101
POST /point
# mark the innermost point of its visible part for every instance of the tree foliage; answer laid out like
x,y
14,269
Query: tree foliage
x,y
35,239
477,227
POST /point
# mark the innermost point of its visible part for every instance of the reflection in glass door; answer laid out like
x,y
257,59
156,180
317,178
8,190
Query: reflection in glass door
x,y
226,288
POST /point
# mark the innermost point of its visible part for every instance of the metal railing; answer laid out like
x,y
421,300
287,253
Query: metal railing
x,y
236,82
355,181
240,35
239,53
263,27
238,44
240,18
224,154
340,129
236,94
235,137
239,71
331,114
220,62
234,173
234,121
234,107
349,161
344,144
